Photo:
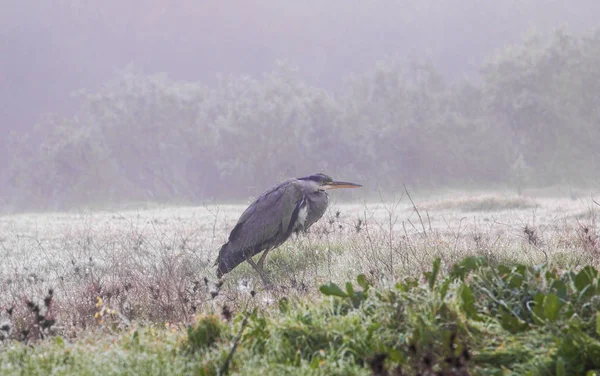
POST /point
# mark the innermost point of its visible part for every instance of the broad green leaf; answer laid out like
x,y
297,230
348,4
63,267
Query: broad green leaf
x,y
332,289
570,275
598,323
587,292
551,307
585,277
363,282
503,270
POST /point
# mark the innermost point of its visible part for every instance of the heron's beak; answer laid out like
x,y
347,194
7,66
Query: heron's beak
x,y
341,184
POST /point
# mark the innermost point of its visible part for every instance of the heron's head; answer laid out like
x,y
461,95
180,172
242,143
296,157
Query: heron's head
x,y
323,182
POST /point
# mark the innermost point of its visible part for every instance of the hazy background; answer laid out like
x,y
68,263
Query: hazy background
x,y
108,102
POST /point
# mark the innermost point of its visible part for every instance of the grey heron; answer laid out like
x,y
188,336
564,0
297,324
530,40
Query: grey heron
x,y
290,207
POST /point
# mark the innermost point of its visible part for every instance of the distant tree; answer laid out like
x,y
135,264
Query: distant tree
x,y
545,92
530,118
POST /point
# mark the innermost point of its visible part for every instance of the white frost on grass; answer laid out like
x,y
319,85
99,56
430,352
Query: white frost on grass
x,y
174,248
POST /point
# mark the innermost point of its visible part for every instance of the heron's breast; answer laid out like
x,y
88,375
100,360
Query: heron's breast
x,y
302,215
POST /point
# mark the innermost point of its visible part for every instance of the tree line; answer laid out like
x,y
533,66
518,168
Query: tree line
x,y
530,117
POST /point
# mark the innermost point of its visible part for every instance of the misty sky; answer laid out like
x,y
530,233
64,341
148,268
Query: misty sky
x,y
48,49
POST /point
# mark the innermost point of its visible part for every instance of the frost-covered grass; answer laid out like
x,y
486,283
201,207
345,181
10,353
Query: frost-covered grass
x,y
150,271
474,319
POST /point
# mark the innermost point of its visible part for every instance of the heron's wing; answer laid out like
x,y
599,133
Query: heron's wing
x,y
264,224
268,215
281,198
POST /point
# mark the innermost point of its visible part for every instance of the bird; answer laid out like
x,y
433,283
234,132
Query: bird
x,y
290,207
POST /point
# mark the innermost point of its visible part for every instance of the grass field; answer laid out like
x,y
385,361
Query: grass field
x,y
134,291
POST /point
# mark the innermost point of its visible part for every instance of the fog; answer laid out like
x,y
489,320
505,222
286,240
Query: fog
x,y
107,102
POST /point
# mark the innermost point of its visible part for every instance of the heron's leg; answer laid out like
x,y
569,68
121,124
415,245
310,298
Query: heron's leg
x,y
260,271
261,261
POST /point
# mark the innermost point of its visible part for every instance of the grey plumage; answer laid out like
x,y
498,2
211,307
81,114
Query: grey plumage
x,y
270,220
318,204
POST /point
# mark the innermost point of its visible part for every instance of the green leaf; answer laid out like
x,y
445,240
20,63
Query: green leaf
x,y
539,315
407,284
349,289
551,307
550,276
332,289
396,355
363,282
284,305
431,276
515,282
560,287
357,298
513,324
135,338
521,270
585,277
503,270
59,341
445,313
372,328
568,310
468,302
464,267
587,292
315,362
598,323
444,289
560,367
